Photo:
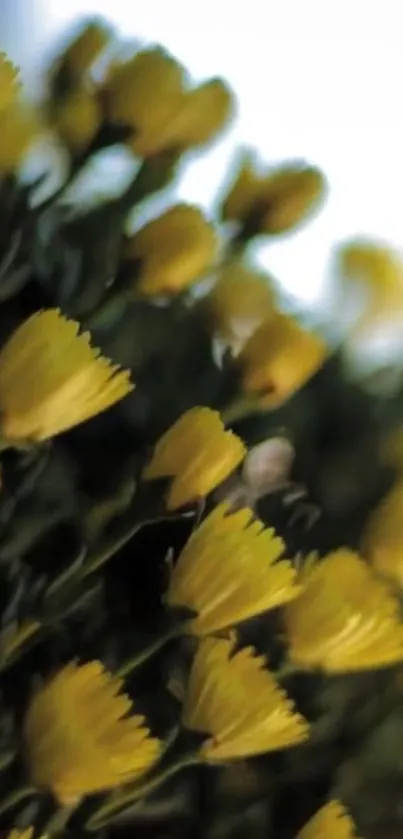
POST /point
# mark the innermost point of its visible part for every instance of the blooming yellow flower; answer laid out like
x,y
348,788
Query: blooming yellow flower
x,y
279,358
345,620
197,453
236,702
84,49
79,737
18,131
9,82
274,202
239,301
51,379
77,119
149,93
330,822
383,536
174,250
229,571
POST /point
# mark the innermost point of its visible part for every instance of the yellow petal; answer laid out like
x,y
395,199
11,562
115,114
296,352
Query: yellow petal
x,y
9,82
288,196
18,130
27,833
204,113
236,702
51,379
174,250
197,453
383,536
85,48
240,299
346,619
229,572
77,119
243,192
79,738
330,822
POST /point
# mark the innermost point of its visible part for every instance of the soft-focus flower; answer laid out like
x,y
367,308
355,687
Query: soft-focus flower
x,y
82,52
27,833
383,536
345,620
198,453
9,82
77,119
330,822
149,94
80,738
279,358
235,701
51,379
18,131
274,202
173,250
239,301
378,270
229,571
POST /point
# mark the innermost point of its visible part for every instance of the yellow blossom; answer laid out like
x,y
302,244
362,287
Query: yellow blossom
x,y
345,620
9,82
240,299
79,737
82,52
236,702
229,572
51,379
274,202
197,453
279,358
18,130
330,822
174,250
383,536
77,119
149,93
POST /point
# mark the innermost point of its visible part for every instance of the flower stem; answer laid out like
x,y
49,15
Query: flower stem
x,y
287,669
58,821
149,651
240,408
15,797
137,793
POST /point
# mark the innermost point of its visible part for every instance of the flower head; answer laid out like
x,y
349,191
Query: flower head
x,y
84,49
149,93
18,131
345,620
236,702
276,202
197,453
80,738
9,82
174,250
77,119
330,822
279,358
229,571
240,299
51,379
383,536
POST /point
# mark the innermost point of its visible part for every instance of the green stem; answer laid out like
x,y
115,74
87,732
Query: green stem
x,y
240,408
97,558
288,669
15,798
58,821
148,651
134,796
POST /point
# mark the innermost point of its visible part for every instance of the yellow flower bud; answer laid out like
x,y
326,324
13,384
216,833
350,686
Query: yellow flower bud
x,y
239,301
383,536
9,82
18,130
84,49
197,453
77,119
279,358
276,202
174,250
204,112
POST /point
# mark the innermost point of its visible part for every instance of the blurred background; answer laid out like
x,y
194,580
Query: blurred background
x,y
315,80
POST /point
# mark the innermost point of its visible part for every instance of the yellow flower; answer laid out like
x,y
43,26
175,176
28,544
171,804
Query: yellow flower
x,y
275,202
240,299
236,702
197,453
229,572
279,358
174,250
51,379
330,822
18,130
77,119
149,94
379,271
383,536
79,56
345,620
27,833
79,737
9,82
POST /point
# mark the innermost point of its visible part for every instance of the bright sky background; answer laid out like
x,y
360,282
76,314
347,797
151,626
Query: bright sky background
x,y
320,79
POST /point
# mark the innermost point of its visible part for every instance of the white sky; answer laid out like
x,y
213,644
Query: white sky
x,y
320,79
